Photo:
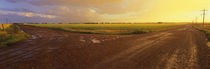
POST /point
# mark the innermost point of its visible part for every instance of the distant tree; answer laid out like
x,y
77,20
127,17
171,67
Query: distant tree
x,y
2,26
160,22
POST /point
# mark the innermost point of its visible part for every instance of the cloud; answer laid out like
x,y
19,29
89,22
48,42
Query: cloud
x,y
15,1
67,2
17,9
27,14
103,6
82,10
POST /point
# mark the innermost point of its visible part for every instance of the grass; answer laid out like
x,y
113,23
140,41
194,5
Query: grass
x,y
5,25
205,29
118,29
11,35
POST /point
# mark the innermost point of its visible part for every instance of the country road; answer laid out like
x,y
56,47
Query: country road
x,y
181,48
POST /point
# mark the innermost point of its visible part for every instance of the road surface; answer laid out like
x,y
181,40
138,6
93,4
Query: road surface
x,y
181,48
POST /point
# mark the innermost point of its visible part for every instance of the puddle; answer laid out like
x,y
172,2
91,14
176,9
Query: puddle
x,y
82,39
28,54
96,41
49,51
55,38
182,29
114,38
34,37
208,44
29,40
22,31
40,35
52,48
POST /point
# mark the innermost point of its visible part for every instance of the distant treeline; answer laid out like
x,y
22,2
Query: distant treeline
x,y
102,23
113,23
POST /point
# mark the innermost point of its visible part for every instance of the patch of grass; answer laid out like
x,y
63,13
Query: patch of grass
x,y
11,35
5,26
205,29
118,29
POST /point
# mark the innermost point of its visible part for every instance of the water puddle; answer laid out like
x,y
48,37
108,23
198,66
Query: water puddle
x,y
96,41
208,44
22,31
82,39
52,48
34,37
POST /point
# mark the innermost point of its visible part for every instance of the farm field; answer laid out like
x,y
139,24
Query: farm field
x,y
109,28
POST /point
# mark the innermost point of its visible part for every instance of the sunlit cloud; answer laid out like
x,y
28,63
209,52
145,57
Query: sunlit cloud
x,y
29,14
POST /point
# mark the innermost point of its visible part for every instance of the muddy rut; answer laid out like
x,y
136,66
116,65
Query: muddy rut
x,y
181,48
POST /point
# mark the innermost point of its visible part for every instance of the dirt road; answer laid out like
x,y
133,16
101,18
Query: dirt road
x,y
182,48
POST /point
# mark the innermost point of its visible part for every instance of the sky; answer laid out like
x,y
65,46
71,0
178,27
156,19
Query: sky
x,y
78,11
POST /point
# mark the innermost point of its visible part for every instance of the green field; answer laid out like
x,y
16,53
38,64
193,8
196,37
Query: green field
x,y
11,35
109,28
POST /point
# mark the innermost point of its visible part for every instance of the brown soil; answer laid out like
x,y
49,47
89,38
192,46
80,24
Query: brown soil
x,y
181,48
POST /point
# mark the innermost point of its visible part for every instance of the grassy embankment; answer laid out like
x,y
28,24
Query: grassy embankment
x,y
11,35
109,28
205,29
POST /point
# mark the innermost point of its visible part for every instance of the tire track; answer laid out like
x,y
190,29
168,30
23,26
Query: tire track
x,y
135,50
25,51
185,58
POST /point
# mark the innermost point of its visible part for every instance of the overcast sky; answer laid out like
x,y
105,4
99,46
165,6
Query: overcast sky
x,y
102,10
